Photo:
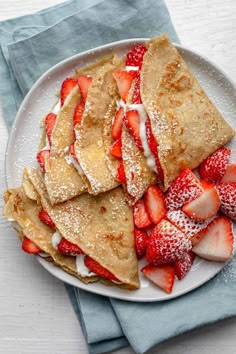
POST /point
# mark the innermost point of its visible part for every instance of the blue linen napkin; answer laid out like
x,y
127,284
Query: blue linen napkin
x,y
32,44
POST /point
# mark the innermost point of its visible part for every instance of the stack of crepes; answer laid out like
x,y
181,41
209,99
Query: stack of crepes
x,y
120,126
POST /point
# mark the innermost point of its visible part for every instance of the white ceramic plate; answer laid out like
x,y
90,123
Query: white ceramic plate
x,y
25,134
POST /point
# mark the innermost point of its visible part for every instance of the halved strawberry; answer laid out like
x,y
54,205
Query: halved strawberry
x,y
166,244
72,152
215,242
135,55
124,81
66,88
230,174
44,217
96,268
183,266
78,113
40,158
115,149
117,124
29,246
132,122
50,121
141,239
136,99
84,82
227,193
68,248
184,189
141,217
214,167
162,275
206,205
154,201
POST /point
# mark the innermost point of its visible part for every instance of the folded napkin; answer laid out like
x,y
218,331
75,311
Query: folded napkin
x,y
29,46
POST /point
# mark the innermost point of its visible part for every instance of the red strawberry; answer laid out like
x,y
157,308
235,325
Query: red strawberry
x,y
68,248
166,244
40,158
227,193
121,177
230,174
154,201
72,152
141,217
206,205
117,124
215,242
214,167
44,217
184,189
132,122
84,82
183,266
96,268
162,275
29,246
66,88
141,239
136,99
124,81
50,121
78,113
135,55
153,146
115,149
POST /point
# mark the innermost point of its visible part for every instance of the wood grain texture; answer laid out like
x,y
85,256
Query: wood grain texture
x,y
35,314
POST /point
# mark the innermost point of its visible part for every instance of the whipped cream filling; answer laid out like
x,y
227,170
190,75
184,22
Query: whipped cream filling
x,y
81,267
130,68
57,107
56,238
71,161
43,254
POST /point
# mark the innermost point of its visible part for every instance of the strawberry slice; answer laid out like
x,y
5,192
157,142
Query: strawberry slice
x,y
121,177
154,201
153,146
40,158
132,122
68,248
50,121
115,149
183,266
215,243
185,188
29,246
66,88
78,113
84,83
96,268
135,55
214,167
162,275
136,99
72,152
166,244
227,193
124,81
230,174
44,217
117,124
141,217
206,205
141,239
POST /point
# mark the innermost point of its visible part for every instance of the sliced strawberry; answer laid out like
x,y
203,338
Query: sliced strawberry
x,y
135,55
29,246
121,177
215,243
84,83
154,201
117,124
214,167
124,81
183,266
66,88
230,174
166,244
68,248
96,268
115,149
141,217
132,122
206,205
162,275
78,113
50,121
227,193
44,217
136,99
72,152
141,239
40,158
184,189
153,146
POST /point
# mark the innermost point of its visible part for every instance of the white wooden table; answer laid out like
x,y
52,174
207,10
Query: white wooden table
x,y
35,313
